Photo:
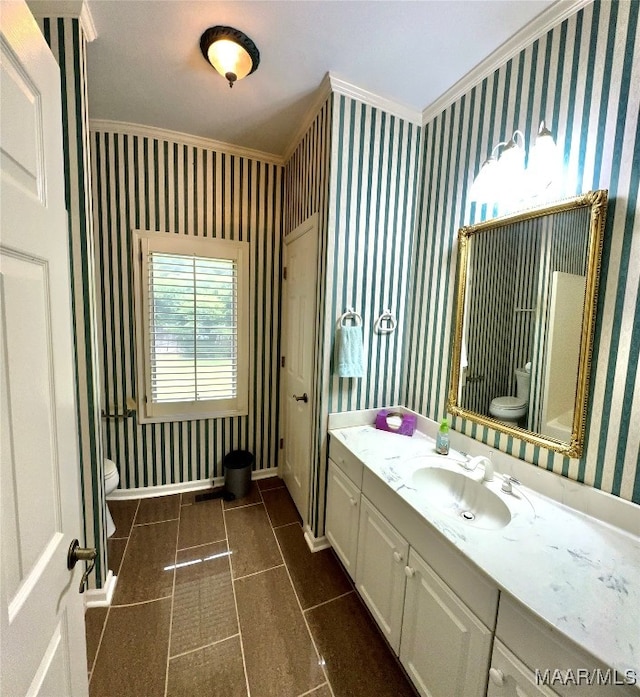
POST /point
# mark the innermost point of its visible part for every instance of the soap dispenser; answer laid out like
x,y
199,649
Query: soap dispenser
x,y
442,439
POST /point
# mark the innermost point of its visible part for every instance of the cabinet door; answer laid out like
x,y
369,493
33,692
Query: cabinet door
x,y
444,646
380,576
343,511
510,677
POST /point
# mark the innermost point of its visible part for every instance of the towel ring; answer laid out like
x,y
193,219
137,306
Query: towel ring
x,y
389,319
350,314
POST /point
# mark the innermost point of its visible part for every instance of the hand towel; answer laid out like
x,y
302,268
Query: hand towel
x,y
349,350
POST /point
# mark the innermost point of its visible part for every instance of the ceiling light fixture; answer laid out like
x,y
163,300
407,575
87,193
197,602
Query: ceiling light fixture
x,y
230,52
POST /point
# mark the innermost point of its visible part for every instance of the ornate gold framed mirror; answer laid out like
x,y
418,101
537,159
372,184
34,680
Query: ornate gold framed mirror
x,y
525,314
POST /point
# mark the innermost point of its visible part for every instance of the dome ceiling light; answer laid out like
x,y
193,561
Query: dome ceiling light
x,y
230,52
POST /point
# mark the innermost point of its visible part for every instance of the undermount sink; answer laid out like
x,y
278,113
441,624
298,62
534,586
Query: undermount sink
x,y
462,497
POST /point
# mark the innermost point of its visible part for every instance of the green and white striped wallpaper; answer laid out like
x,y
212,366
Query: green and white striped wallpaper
x,y
148,183
66,38
306,182
366,251
583,78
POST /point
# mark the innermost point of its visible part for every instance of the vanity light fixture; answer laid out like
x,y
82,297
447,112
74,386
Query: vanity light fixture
x,y
230,52
503,175
484,184
511,169
544,160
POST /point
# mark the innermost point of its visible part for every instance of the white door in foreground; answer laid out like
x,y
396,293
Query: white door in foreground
x,y
42,624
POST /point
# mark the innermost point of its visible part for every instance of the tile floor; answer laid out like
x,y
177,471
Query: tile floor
x,y
224,599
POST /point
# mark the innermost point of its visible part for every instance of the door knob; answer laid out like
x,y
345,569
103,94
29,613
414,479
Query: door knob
x,y
77,553
497,676
409,572
304,398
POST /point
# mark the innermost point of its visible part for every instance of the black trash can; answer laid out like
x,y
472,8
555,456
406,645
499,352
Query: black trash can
x,y
237,472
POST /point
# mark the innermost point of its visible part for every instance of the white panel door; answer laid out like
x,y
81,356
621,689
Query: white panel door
x,y
380,574
300,319
42,623
444,647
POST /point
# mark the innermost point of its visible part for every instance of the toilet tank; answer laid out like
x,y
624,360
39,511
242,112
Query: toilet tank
x,y
523,381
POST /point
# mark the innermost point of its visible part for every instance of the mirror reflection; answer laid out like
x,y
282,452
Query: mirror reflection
x,y
526,295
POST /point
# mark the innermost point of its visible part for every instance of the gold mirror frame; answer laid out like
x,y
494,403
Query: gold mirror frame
x,y
597,202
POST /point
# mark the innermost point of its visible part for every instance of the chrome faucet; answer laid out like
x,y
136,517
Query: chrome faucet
x,y
471,465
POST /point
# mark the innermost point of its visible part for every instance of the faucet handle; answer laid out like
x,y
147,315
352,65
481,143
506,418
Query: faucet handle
x,y
508,482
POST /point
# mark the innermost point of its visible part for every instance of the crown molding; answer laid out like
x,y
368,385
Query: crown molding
x,y
331,83
136,129
86,20
403,111
539,26
322,93
75,9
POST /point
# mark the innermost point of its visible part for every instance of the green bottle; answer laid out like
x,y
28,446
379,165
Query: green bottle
x,y
442,439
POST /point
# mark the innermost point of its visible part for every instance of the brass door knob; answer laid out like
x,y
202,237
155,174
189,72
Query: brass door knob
x,y
77,553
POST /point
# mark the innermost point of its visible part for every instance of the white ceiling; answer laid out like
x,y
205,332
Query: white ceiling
x,y
145,66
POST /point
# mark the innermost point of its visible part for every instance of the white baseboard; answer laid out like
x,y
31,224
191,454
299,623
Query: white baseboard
x,y
101,597
315,543
145,492
265,474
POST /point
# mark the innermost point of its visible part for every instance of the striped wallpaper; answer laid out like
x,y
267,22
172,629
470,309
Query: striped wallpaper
x,y
306,181
373,173
67,41
583,78
494,268
146,183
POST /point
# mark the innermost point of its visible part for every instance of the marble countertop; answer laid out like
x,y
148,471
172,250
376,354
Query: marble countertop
x,y
578,574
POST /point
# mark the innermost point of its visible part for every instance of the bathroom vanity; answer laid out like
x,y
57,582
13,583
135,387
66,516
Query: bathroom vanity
x,y
474,588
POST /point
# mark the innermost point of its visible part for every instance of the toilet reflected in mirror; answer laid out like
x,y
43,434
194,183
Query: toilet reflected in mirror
x,y
512,410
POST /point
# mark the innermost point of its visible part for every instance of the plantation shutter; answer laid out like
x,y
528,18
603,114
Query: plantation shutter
x,y
193,327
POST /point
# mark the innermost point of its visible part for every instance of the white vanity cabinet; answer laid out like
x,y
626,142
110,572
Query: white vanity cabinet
x,y
380,571
444,647
526,646
342,516
443,641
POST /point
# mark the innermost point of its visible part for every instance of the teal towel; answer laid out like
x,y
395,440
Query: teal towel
x,y
349,349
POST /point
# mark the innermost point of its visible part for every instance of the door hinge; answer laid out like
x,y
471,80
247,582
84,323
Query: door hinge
x,y
282,362
284,273
281,443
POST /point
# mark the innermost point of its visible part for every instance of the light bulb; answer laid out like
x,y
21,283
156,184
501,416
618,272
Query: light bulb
x,y
483,189
229,59
544,162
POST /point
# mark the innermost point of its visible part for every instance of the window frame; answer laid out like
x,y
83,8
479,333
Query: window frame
x,y
144,242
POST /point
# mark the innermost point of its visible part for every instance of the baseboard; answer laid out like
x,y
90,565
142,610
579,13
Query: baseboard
x,y
315,543
101,597
264,474
144,492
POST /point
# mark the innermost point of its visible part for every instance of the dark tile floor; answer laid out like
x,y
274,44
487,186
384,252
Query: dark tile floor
x,y
225,600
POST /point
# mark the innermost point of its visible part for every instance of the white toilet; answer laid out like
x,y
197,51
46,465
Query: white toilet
x,y
511,410
111,479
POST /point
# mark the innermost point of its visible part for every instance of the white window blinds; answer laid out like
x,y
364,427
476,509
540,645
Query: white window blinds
x,y
193,323
192,326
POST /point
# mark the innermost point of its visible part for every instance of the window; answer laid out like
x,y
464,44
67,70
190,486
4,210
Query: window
x,y
192,326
